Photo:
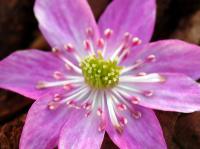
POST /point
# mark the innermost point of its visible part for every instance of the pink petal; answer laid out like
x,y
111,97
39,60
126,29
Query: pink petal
x,y
81,132
21,71
178,93
42,126
134,16
171,56
144,132
65,21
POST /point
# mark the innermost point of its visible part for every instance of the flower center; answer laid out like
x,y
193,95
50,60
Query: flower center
x,y
99,73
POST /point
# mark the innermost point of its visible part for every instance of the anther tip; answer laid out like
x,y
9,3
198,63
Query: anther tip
x,y
162,78
136,41
119,129
137,114
55,50
40,85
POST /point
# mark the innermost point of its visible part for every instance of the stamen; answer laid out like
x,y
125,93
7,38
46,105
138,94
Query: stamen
x,y
141,74
89,32
148,93
127,37
99,112
87,114
137,64
117,51
124,98
122,87
102,127
150,78
107,33
72,104
87,106
123,121
112,115
121,107
88,47
57,97
151,58
70,49
123,56
41,85
136,114
58,75
55,50
88,103
100,43
53,105
136,41
69,65
69,87
77,94
134,100
123,48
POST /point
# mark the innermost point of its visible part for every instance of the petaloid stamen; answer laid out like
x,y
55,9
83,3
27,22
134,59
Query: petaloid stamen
x,y
100,43
151,58
58,75
137,114
108,33
127,37
136,41
70,49
57,97
68,63
41,85
89,32
150,78
124,49
112,114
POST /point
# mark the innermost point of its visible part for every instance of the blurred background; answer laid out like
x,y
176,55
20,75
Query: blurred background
x,y
178,19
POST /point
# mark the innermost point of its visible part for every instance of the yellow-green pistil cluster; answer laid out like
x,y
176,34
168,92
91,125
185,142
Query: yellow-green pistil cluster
x,y
99,73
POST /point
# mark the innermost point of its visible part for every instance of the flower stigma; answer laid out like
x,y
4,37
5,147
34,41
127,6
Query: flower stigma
x,y
100,73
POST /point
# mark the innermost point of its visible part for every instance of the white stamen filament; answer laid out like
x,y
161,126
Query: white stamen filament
x,y
130,68
80,94
71,50
117,51
44,84
150,78
73,66
89,47
125,87
122,56
112,113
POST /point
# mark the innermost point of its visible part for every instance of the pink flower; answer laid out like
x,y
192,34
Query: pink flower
x,y
102,77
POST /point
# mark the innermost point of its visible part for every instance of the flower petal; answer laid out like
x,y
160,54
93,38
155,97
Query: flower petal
x,y
60,21
21,71
177,93
81,132
42,127
134,16
144,132
170,56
